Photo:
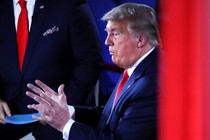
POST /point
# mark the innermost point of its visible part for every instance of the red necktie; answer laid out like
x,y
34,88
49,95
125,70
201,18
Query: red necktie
x,y
22,32
120,86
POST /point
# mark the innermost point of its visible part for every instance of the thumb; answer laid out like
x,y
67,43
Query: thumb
x,y
61,89
62,96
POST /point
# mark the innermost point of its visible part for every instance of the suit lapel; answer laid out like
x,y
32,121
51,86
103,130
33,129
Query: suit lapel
x,y
138,72
8,24
35,31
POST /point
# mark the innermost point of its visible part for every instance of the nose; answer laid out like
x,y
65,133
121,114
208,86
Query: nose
x,y
108,41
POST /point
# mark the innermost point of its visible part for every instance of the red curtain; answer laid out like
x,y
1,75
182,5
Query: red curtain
x,y
185,79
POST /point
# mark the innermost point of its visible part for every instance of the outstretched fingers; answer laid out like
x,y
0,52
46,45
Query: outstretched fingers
x,y
35,89
45,88
37,98
48,99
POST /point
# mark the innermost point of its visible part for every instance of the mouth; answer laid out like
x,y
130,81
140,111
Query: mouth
x,y
111,53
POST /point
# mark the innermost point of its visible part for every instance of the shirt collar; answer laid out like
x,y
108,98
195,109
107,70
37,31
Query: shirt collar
x,y
15,2
29,2
131,69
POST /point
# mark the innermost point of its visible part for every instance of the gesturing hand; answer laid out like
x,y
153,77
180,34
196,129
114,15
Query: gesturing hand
x,y
52,106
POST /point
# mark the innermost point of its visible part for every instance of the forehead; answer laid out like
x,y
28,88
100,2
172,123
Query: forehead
x,y
116,26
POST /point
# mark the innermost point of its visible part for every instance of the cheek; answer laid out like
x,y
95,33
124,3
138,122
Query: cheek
x,y
119,52
123,47
123,52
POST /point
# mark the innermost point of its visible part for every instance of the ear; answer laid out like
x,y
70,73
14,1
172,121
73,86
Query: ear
x,y
142,39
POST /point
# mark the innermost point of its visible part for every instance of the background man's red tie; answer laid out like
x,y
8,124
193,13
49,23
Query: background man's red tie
x,y
22,32
120,86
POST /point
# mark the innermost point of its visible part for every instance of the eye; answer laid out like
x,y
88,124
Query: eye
x,y
116,33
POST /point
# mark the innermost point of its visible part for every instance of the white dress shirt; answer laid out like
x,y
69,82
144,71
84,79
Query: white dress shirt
x,y
30,9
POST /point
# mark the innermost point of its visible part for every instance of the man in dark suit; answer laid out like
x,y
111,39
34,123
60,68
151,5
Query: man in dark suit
x,y
63,47
133,44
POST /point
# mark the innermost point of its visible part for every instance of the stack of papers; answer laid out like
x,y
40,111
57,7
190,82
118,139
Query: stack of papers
x,y
21,119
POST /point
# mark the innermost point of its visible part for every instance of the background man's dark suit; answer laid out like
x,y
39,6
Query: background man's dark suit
x,y
63,48
134,116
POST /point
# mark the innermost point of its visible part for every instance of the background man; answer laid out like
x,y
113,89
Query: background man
x,y
63,46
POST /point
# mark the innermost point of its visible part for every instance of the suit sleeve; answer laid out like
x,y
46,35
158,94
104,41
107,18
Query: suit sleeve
x,y
134,120
86,53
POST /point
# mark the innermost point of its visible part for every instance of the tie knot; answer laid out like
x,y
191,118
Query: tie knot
x,y
22,3
125,74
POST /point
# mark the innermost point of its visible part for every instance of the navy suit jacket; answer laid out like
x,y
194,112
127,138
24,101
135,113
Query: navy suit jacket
x,y
134,115
63,48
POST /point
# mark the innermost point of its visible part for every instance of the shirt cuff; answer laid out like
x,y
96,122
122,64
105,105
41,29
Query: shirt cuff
x,y
67,129
69,124
71,112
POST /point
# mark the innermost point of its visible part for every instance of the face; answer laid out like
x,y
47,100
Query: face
x,y
122,45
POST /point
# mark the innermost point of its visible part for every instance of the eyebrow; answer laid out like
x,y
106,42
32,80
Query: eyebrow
x,y
112,29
